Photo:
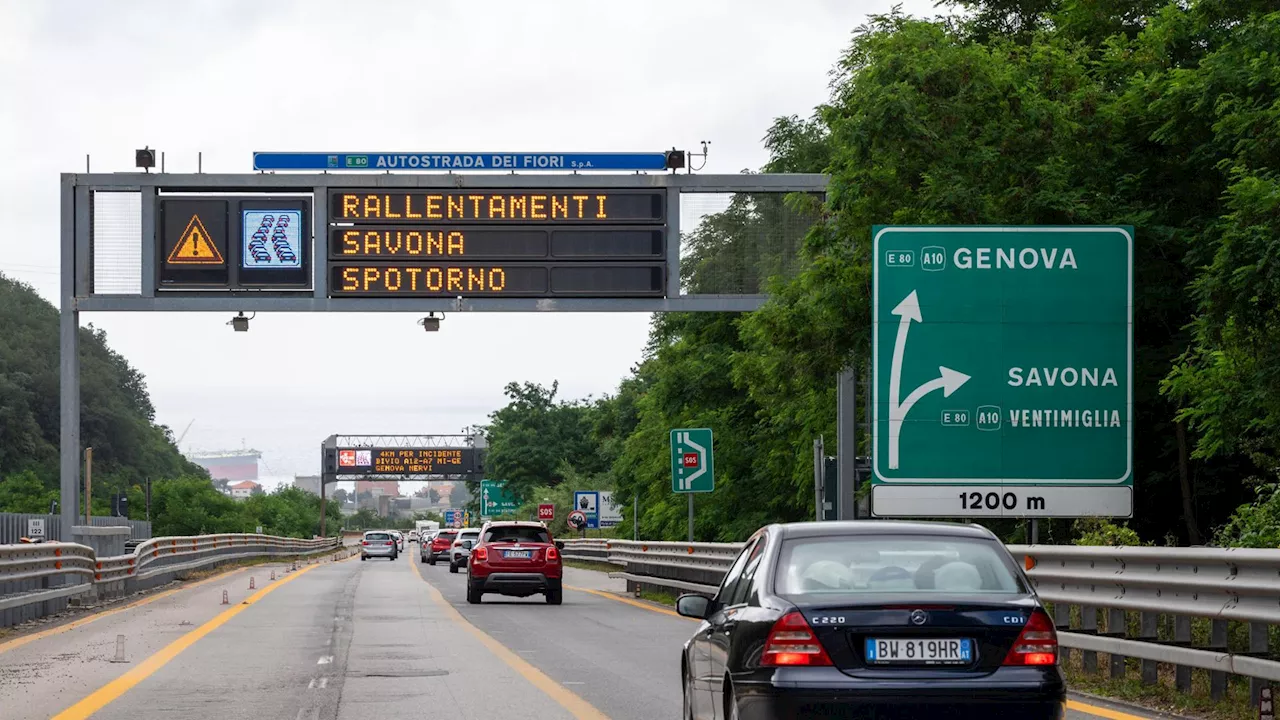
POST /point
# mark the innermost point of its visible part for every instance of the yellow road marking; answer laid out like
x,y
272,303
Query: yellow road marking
x,y
104,695
576,706
24,639
629,601
1101,711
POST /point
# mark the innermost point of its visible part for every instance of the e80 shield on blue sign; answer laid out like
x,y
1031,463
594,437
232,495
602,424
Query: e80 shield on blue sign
x,y
1003,371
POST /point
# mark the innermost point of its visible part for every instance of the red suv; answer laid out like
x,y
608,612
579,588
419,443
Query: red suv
x,y
515,558
439,546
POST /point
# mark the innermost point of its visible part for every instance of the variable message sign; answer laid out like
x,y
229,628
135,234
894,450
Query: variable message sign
x,y
233,242
407,461
513,243
1003,381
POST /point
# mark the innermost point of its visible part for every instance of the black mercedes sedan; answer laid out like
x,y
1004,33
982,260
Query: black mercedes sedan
x,y
872,619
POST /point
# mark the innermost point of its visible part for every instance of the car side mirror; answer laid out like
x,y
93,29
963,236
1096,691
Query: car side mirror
x,y
693,606
559,544
468,544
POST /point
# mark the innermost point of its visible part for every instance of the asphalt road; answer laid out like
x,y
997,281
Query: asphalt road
x,y
375,639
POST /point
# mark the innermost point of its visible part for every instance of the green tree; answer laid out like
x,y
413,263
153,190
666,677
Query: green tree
x,y
534,433
117,418
25,493
1161,115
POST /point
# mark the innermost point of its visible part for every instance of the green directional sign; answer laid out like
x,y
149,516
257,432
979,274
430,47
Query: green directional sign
x,y
1003,381
692,467
496,499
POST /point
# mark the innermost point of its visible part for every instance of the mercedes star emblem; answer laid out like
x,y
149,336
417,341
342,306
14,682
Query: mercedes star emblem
x,y
919,617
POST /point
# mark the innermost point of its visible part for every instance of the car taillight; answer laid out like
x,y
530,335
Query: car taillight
x,y
479,554
1037,644
364,542
552,554
792,642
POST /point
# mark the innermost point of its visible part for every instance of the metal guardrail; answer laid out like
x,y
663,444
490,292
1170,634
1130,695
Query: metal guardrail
x,y
15,526
1145,603
39,579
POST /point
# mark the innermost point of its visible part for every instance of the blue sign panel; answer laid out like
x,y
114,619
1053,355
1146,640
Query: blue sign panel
x,y
506,162
588,501
272,239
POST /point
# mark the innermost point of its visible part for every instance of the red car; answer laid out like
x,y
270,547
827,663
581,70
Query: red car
x,y
439,546
515,558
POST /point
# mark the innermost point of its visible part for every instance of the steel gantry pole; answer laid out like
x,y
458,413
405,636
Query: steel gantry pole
x,y
69,364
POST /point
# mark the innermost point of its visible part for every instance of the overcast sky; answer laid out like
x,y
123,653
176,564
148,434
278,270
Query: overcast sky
x,y
229,77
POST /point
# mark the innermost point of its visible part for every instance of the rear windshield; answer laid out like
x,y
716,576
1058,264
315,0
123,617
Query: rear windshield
x,y
517,533
377,536
469,535
894,564
446,535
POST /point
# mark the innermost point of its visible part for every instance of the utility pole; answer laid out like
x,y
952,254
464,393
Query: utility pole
x,y
88,486
818,454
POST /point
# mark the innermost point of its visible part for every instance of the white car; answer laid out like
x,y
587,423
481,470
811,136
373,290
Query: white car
x,y
460,551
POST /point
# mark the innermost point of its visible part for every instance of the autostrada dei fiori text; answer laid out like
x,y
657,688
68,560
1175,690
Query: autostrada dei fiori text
x,y
455,243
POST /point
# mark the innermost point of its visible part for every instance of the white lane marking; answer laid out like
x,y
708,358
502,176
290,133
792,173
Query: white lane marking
x,y
324,681
324,660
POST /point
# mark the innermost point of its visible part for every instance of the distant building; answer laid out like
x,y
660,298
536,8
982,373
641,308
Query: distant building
x,y
310,483
378,487
243,489
229,464
445,491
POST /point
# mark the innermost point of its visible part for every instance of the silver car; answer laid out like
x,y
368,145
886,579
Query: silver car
x,y
379,543
460,551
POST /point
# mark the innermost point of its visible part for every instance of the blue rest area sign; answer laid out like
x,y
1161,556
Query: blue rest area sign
x,y
468,161
588,501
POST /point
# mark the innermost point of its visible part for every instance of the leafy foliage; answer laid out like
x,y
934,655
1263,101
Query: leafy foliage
x,y
1157,114
1254,525
191,506
117,418
1098,531
534,434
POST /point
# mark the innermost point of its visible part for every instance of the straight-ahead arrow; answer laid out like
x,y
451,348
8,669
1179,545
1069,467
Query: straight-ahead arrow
x,y
907,311
948,380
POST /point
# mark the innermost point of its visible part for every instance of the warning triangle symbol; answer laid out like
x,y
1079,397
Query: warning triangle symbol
x,y
195,247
